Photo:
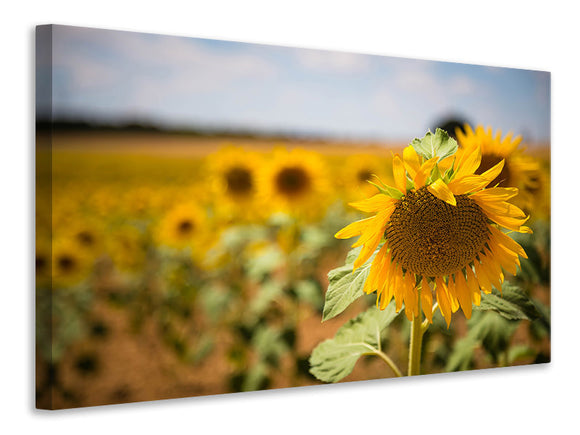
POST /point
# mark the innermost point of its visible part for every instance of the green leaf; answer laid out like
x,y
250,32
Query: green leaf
x,y
345,286
432,145
335,358
512,304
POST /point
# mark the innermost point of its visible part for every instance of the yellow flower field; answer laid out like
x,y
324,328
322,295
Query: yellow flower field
x,y
177,266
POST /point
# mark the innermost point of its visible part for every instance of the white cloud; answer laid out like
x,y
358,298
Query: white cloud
x,y
331,62
152,65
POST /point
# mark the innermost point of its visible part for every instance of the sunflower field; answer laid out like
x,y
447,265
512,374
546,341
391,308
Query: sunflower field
x,y
213,267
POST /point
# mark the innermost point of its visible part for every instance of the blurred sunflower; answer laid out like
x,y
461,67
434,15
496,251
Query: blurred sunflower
x,y
184,227
441,227
233,181
87,234
42,260
361,169
519,170
295,182
69,264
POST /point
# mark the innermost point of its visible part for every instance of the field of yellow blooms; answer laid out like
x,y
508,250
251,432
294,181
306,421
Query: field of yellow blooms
x,y
172,266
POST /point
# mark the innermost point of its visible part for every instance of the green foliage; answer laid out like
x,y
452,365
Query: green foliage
x,y
309,291
266,261
512,304
335,358
345,285
432,145
492,326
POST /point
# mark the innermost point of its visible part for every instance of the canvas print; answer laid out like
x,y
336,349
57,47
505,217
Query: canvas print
x,y
218,217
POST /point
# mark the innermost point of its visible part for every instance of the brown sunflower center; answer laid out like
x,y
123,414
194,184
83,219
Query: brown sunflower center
x,y
364,175
488,161
185,227
86,238
292,181
239,181
430,237
40,264
66,263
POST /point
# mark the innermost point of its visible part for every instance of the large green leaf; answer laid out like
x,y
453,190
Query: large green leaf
x,y
438,144
512,304
345,285
335,358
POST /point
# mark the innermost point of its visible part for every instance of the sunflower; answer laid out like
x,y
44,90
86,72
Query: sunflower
x,y
295,182
361,169
87,233
70,265
233,182
519,170
441,232
184,227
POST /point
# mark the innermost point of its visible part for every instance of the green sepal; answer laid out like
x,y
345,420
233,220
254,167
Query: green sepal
x,y
388,190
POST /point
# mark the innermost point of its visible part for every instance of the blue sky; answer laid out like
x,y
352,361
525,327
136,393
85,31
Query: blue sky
x,y
187,82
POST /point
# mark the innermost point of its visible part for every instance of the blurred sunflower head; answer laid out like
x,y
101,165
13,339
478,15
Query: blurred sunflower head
x,y
295,182
87,234
358,171
233,181
519,170
42,260
185,227
440,228
70,265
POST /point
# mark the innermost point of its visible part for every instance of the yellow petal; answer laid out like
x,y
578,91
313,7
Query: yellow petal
x,y
411,161
452,295
467,184
492,270
492,173
463,294
443,299
496,193
424,172
446,163
441,191
427,300
469,164
374,203
482,277
508,242
473,286
367,250
353,230
377,265
399,174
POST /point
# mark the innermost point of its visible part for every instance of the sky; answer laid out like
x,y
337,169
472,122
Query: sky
x,y
170,81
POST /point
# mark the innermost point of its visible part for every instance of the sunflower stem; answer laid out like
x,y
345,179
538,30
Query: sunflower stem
x,y
415,344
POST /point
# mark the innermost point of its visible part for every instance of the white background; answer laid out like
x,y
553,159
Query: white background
x,y
530,35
